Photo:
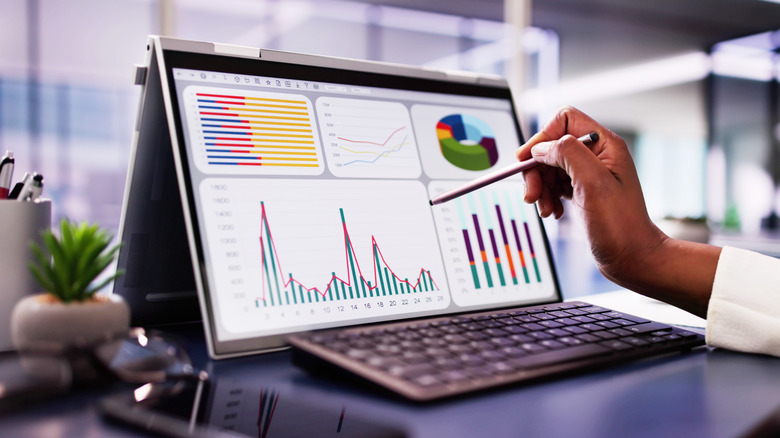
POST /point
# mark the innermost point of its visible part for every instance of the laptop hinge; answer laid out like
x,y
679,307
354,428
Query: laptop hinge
x,y
228,49
140,75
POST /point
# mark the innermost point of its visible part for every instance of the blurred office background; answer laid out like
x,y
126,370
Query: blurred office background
x,y
692,85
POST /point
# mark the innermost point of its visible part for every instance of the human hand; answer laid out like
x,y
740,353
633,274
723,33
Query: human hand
x,y
602,183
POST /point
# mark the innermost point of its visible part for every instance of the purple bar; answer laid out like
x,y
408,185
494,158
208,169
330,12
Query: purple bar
x,y
468,247
528,235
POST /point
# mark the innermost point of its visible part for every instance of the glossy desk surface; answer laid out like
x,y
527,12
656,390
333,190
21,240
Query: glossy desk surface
x,y
705,393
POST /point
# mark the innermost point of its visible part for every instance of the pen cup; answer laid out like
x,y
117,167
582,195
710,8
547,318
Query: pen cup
x,y
20,224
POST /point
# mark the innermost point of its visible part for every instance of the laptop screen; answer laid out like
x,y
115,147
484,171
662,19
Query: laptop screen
x,y
307,193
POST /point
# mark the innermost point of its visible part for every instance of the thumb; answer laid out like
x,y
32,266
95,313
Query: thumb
x,y
569,154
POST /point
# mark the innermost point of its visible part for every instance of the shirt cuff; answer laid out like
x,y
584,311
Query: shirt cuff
x,y
744,309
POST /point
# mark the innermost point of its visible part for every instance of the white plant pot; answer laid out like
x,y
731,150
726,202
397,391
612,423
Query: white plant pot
x,y
41,321
44,328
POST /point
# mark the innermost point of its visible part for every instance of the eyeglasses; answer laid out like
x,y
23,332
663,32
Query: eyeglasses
x,y
140,356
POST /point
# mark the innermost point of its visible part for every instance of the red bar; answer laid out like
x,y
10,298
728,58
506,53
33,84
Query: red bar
x,y
220,95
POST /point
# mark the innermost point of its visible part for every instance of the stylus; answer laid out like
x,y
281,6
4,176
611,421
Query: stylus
x,y
498,175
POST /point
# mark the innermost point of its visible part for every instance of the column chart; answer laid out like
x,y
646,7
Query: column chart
x,y
493,248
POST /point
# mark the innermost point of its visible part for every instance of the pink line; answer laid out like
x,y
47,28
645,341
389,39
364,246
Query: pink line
x,y
371,142
347,247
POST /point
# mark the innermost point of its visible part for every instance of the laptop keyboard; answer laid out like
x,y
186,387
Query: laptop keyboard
x,y
448,356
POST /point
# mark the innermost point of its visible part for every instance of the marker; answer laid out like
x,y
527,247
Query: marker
x,y
498,175
18,186
6,173
32,189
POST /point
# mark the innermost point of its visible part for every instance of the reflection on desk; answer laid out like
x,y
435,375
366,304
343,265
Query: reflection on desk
x,y
705,393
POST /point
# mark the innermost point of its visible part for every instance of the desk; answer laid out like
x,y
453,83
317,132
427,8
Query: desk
x,y
707,393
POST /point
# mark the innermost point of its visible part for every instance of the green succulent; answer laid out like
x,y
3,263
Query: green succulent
x,y
71,262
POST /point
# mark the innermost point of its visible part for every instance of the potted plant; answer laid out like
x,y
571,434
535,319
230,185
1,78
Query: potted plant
x,y
70,314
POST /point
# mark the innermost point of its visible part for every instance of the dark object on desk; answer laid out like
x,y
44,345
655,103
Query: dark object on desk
x,y
229,408
455,355
19,387
769,428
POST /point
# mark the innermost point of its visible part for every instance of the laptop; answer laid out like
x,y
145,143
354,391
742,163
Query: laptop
x,y
290,193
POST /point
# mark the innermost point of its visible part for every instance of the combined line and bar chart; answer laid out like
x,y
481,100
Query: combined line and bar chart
x,y
287,251
281,288
488,245
252,132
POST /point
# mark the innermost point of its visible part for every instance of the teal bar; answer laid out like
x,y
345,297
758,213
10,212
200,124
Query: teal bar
x,y
408,288
300,291
370,291
292,289
379,273
343,292
351,296
387,276
268,279
309,294
287,296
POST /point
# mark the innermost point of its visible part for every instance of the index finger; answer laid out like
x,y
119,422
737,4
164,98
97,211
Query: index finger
x,y
567,120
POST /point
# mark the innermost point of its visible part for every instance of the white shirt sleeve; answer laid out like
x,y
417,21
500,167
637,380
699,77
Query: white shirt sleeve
x,y
744,309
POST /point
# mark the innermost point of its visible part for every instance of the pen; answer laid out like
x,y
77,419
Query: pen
x,y
18,186
6,173
498,175
32,188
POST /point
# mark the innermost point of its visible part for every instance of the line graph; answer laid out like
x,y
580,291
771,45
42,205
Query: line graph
x,y
365,138
291,252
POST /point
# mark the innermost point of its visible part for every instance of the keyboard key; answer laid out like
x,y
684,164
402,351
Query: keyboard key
x,y
620,332
532,348
615,345
556,356
533,327
566,321
575,330
583,319
525,338
622,322
594,309
540,335
570,340
604,335
607,324
557,332
647,328
635,341
552,344
587,337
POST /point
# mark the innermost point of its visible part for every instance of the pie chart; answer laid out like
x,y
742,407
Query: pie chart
x,y
467,142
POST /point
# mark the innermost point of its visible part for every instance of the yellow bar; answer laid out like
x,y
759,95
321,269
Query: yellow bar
x,y
268,134
281,153
260,122
260,116
267,128
241,108
270,146
264,99
304,108
289,159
